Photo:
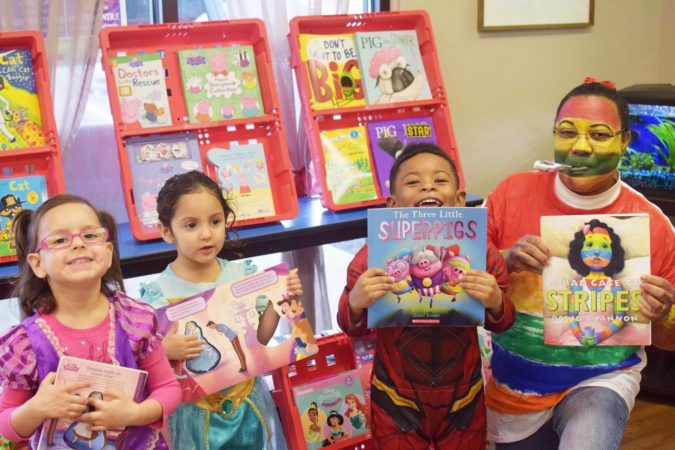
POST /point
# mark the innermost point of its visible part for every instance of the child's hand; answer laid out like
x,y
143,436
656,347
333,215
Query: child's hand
x,y
371,285
55,401
528,254
116,412
179,347
293,284
657,296
483,286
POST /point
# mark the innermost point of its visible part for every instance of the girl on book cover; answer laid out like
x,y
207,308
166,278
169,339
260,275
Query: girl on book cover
x,y
356,412
336,429
70,288
78,436
195,217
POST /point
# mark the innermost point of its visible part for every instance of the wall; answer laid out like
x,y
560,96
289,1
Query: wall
x,y
504,87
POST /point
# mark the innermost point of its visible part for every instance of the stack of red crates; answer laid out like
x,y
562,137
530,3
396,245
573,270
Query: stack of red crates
x,y
44,160
266,129
336,355
331,119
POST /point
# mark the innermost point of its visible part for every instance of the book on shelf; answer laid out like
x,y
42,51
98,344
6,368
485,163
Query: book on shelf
x,y
334,409
64,434
153,160
348,165
591,286
220,83
242,173
141,90
226,319
392,65
388,138
20,117
332,68
16,194
426,251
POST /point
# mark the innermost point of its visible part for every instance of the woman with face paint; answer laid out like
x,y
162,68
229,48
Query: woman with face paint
x,y
570,397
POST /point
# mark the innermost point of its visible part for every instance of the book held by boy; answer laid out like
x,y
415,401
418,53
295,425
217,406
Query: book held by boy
x,y
16,194
426,251
227,318
591,286
63,434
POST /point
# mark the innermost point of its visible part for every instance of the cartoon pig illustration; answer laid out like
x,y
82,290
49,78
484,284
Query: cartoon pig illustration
x,y
129,109
454,266
218,63
399,270
426,269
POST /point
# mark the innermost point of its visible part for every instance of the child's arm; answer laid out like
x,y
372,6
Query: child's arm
x,y
371,285
49,402
269,318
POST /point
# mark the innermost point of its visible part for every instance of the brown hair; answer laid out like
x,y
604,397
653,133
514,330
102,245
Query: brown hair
x,y
34,293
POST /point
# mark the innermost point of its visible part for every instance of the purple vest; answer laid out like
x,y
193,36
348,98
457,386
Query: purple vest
x,y
132,438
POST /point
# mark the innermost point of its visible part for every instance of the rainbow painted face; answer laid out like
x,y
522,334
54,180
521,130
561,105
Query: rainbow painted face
x,y
597,251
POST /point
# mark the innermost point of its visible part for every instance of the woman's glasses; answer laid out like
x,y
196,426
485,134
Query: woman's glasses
x,y
572,134
64,240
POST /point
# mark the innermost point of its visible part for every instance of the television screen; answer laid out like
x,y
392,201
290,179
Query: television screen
x,y
649,161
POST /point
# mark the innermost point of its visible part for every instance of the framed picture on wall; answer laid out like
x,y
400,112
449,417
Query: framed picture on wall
x,y
497,15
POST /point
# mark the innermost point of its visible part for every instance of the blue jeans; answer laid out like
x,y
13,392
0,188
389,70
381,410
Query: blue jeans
x,y
589,417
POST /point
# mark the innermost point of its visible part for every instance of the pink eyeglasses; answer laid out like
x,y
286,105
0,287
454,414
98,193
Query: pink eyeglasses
x,y
64,240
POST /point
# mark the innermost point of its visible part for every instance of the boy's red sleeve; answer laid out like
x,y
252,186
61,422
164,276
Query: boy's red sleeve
x,y
358,265
496,266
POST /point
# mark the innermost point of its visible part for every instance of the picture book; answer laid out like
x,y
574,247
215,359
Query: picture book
x,y
242,174
63,434
226,318
20,117
220,83
17,193
591,285
153,160
426,251
388,138
333,410
141,90
364,349
392,66
349,168
332,67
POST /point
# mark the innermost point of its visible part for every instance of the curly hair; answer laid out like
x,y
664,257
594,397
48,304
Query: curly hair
x,y
599,90
615,265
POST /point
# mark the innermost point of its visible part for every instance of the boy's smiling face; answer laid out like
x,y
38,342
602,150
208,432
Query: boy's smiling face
x,y
426,180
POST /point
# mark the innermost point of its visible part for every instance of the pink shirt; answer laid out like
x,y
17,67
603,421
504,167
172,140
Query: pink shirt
x,y
92,344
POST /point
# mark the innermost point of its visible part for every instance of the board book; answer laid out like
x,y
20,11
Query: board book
x,y
16,194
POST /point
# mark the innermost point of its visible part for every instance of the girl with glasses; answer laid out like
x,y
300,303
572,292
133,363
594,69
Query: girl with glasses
x,y
70,288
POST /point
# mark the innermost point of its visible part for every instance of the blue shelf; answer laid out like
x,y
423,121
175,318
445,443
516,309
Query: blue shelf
x,y
313,226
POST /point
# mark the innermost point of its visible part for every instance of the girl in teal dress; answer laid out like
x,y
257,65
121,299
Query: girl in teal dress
x,y
193,216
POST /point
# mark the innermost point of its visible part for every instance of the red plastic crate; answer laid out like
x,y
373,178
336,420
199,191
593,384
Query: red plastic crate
x,y
266,129
335,356
46,159
327,119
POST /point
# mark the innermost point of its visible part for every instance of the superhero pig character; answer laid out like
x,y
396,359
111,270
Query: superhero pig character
x,y
426,269
454,267
399,270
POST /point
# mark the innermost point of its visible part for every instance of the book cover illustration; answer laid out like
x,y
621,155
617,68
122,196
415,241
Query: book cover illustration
x,y
426,251
393,67
241,172
333,70
349,168
591,285
333,410
364,349
20,118
63,434
388,138
220,83
226,318
153,160
16,194
141,90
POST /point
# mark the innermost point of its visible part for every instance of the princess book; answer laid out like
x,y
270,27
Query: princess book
x,y
141,90
392,66
16,194
332,68
388,138
334,410
152,161
20,118
226,319
220,83
65,434
591,286
426,251
241,172
348,165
